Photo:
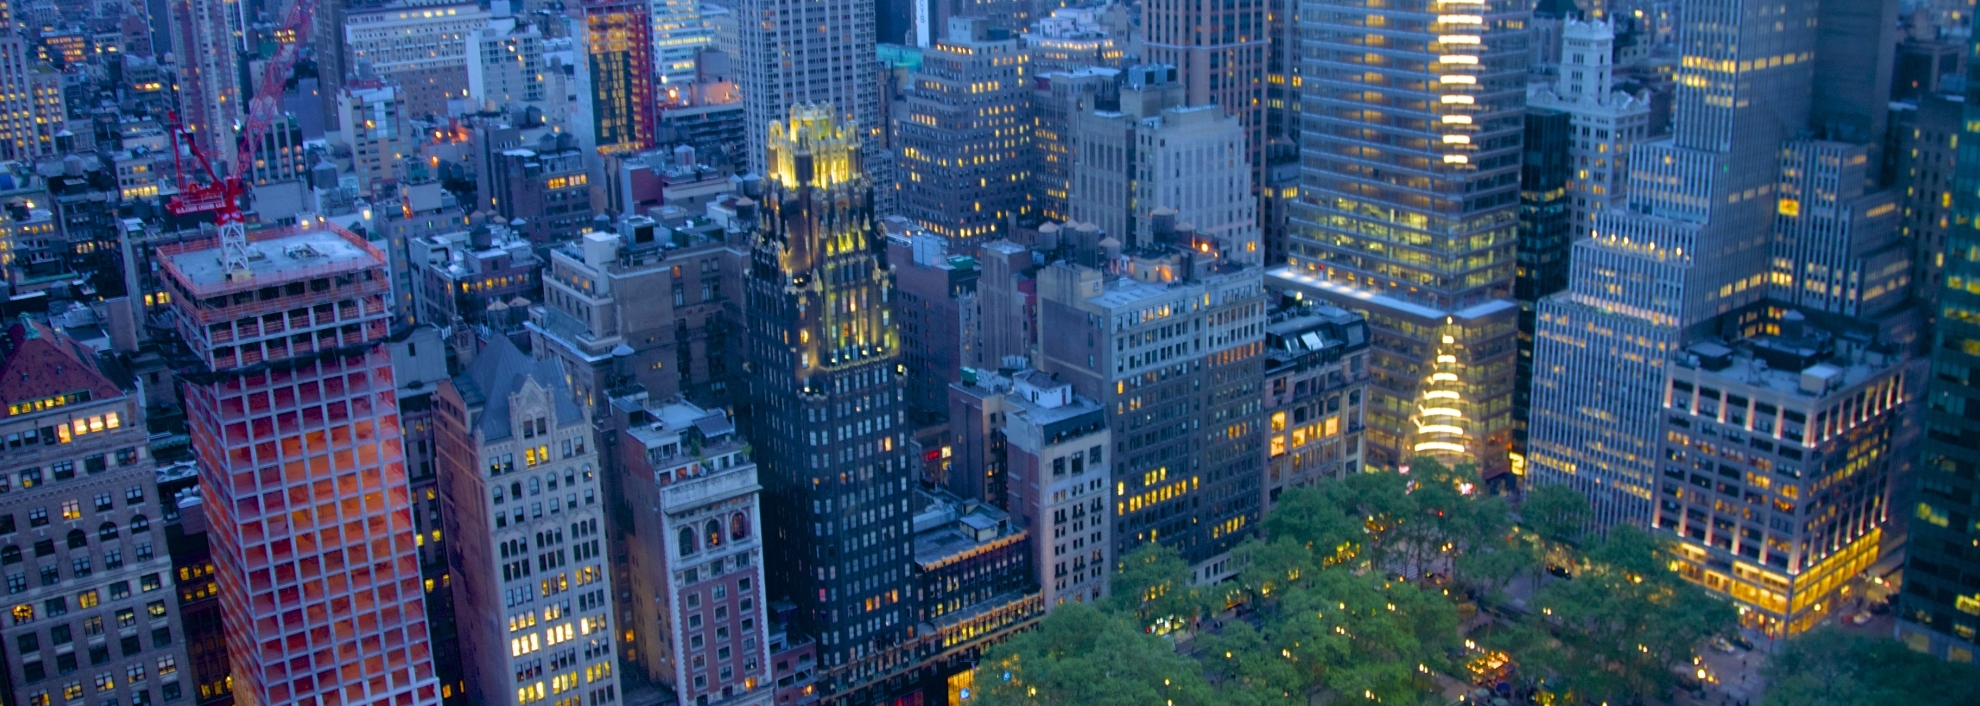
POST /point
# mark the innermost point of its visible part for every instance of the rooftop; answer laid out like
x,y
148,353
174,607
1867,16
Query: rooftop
x,y
44,370
283,255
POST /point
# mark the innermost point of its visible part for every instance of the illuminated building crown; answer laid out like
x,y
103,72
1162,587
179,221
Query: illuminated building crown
x,y
814,148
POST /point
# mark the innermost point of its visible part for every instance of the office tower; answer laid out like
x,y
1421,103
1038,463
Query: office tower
x,y
1181,337
422,47
1836,248
80,513
1153,156
520,494
1071,39
824,396
1316,380
664,295
206,39
616,107
931,286
1604,122
505,63
205,634
1545,229
1057,103
814,53
375,116
1935,612
323,599
1000,319
540,188
679,33
485,275
279,157
963,137
1026,443
1408,210
1813,410
694,552
419,365
1219,50
1851,98
1923,65
1279,169
1926,139
1691,247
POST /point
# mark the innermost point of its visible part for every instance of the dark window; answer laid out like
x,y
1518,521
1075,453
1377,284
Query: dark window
x,y
44,547
10,554
106,532
130,645
78,539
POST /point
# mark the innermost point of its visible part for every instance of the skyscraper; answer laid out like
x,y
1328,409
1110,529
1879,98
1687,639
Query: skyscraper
x,y
1692,245
1941,597
800,53
1408,206
617,112
520,488
302,470
964,139
206,37
679,32
82,512
423,47
1219,50
824,399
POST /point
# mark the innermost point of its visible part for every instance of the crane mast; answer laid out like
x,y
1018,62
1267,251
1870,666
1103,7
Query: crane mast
x,y
222,196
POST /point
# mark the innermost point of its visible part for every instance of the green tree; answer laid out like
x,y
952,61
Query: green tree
x,y
1082,655
1619,626
1828,667
1153,585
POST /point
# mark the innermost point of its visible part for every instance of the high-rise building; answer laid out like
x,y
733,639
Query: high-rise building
x,y
1836,246
1152,157
963,137
520,493
695,563
302,471
1316,381
664,295
80,514
930,285
824,407
206,36
679,34
1691,247
505,63
1604,121
800,53
541,188
421,46
1926,137
1025,443
1058,102
376,124
1219,50
1941,596
1070,39
1408,210
1545,238
1181,336
616,111
1781,526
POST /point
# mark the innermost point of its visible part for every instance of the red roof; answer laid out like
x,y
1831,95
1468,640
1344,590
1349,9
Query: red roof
x,y
40,363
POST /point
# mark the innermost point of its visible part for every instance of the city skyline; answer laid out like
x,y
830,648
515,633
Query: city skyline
x,y
769,353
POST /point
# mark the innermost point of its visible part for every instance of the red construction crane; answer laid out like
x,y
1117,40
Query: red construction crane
x,y
223,196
